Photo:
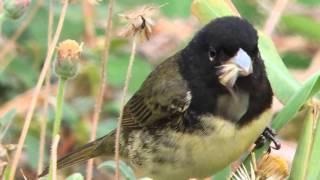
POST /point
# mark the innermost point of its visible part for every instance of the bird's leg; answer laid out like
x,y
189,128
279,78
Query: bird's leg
x,y
268,134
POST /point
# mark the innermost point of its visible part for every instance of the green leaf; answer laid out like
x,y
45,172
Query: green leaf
x,y
314,170
309,89
303,25
125,170
282,82
301,159
223,174
75,176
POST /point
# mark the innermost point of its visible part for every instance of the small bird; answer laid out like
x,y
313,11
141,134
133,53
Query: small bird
x,y
198,111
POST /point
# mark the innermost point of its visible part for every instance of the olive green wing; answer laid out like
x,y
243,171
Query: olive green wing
x,y
164,94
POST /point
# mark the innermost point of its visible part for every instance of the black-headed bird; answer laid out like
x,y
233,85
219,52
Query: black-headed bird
x,y
198,111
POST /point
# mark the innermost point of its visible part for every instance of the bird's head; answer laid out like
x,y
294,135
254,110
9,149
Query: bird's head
x,y
226,47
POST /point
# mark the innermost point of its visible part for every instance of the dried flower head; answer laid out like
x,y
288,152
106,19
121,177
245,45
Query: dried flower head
x,y
139,21
270,167
68,55
15,8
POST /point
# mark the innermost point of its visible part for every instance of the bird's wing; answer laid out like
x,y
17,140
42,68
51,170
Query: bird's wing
x,y
163,94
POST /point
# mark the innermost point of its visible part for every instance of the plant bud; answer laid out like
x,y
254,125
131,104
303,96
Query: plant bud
x,y
15,8
67,62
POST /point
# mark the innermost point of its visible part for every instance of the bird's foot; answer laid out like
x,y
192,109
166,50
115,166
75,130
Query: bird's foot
x,y
268,134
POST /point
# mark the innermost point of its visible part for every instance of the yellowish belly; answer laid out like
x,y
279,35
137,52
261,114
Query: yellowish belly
x,y
200,156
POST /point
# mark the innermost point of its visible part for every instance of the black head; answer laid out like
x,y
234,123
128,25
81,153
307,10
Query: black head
x,y
226,48
224,56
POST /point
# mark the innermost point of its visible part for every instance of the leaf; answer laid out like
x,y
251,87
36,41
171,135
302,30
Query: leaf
x,y
125,170
75,176
309,89
223,174
301,158
303,25
314,170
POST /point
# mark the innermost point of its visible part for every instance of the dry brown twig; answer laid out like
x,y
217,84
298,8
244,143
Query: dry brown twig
x,y
37,90
139,23
274,16
99,98
44,117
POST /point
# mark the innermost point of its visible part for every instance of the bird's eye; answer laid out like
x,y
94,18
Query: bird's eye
x,y
212,54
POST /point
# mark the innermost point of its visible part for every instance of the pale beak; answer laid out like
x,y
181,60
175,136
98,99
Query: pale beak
x,y
243,62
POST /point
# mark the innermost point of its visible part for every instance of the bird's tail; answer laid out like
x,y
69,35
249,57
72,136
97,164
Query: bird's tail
x,y
86,152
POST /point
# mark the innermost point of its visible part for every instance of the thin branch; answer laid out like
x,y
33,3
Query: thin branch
x,y
35,96
88,19
99,98
233,8
123,99
44,119
274,16
19,31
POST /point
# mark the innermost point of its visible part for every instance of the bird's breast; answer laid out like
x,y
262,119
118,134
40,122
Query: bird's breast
x,y
177,155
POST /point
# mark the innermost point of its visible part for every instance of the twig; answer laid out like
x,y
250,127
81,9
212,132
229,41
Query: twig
x,y
19,31
123,99
274,16
54,156
37,90
88,18
99,98
233,8
43,123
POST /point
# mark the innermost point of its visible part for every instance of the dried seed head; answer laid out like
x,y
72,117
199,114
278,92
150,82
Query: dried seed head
x,y
139,21
67,61
14,9
272,167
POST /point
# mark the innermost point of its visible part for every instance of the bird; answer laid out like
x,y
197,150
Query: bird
x,y
197,111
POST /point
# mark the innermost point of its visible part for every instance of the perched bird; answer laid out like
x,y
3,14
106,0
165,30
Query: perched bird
x,y
198,111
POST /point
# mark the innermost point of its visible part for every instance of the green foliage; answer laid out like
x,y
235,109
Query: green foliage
x,y
296,60
75,176
5,122
125,170
308,90
303,25
117,69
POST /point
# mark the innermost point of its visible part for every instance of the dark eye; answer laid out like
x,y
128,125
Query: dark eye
x,y
212,54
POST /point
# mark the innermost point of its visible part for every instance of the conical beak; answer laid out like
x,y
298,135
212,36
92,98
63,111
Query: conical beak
x,y
243,62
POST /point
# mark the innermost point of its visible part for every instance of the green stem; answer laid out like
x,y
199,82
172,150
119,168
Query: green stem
x,y
58,115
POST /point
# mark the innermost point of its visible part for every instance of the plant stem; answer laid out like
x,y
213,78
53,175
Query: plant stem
x,y
123,99
103,84
43,123
57,120
35,95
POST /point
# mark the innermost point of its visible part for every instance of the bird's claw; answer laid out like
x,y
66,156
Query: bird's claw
x,y
268,134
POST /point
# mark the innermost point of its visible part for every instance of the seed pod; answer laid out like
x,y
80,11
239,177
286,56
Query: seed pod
x,y
67,62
